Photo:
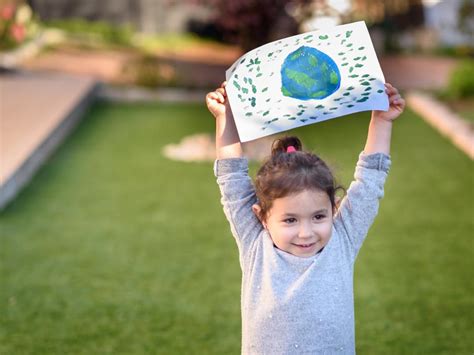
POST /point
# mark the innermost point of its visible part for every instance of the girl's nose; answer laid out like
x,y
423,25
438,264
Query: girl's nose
x,y
305,231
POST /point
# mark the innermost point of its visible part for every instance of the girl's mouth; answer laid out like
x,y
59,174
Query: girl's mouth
x,y
305,246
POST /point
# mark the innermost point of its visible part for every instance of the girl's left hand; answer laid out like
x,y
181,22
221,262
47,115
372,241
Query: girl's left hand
x,y
396,102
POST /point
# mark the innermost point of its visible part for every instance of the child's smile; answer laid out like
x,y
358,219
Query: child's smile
x,y
301,223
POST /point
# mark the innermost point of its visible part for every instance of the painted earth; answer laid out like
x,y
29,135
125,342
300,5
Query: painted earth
x,y
308,74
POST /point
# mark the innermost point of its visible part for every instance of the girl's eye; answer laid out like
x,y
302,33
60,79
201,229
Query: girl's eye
x,y
290,220
318,217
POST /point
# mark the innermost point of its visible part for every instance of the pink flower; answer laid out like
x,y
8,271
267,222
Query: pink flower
x,y
6,13
17,32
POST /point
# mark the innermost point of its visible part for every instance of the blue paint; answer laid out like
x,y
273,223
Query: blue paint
x,y
309,74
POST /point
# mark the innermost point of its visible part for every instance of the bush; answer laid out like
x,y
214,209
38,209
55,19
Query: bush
x,y
95,31
461,83
17,25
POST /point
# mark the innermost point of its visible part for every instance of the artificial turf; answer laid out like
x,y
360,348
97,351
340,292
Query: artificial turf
x,y
114,249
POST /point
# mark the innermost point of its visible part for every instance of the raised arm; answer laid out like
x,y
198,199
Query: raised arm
x,y
380,128
227,139
360,206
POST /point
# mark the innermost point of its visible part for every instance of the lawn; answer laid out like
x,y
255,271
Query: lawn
x,y
114,249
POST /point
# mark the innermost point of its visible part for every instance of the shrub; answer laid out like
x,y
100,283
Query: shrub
x,y
17,24
95,31
461,83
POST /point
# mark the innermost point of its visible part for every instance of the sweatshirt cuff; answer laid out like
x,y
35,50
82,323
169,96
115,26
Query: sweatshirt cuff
x,y
231,165
377,161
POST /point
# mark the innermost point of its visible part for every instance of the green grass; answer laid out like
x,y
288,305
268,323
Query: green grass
x,y
113,249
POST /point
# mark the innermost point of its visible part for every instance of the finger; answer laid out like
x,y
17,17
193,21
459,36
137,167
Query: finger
x,y
222,92
390,90
214,96
223,85
400,103
220,97
394,98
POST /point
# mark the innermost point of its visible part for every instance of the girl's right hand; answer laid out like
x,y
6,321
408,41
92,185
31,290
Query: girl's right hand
x,y
217,102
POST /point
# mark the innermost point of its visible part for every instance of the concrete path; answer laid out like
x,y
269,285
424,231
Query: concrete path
x,y
37,111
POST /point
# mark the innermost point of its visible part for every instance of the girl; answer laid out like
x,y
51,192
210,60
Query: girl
x,y
296,248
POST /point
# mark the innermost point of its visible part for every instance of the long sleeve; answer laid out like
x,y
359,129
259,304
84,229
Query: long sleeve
x,y
360,206
237,198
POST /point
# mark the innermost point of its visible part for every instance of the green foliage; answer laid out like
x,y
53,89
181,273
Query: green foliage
x,y
95,31
461,83
114,249
18,24
150,71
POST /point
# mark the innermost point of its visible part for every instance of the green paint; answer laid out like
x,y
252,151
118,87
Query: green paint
x,y
319,93
301,78
333,77
313,61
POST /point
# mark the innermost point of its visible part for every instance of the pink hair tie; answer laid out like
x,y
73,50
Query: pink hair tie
x,y
290,149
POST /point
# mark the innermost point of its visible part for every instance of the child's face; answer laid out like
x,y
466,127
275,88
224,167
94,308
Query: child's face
x,y
301,224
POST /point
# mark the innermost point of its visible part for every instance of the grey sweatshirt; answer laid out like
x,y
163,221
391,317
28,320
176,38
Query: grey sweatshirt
x,y
290,304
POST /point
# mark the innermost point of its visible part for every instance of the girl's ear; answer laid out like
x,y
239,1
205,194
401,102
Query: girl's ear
x,y
258,212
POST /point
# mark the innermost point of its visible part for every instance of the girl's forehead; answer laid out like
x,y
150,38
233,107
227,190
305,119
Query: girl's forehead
x,y
303,200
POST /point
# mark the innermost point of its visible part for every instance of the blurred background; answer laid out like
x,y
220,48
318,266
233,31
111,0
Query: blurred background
x,y
112,238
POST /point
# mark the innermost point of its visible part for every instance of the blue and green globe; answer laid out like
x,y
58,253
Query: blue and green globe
x,y
309,74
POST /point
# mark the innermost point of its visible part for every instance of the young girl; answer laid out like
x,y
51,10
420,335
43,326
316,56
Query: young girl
x,y
297,248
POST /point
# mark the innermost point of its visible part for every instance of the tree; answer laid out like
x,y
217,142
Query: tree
x,y
251,23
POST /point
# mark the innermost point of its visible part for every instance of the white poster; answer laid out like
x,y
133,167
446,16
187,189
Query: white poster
x,y
304,79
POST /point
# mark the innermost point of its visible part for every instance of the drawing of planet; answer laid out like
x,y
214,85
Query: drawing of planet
x,y
308,74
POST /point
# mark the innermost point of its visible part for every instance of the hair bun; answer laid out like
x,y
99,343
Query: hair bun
x,y
281,145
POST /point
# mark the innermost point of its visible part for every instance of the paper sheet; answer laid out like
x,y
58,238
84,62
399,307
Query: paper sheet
x,y
304,79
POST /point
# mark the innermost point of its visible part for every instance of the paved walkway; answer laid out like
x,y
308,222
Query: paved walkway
x,y
37,111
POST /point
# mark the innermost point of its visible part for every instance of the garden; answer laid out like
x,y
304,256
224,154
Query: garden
x,y
115,248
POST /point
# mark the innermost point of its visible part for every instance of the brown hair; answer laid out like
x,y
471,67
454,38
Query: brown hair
x,y
288,172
